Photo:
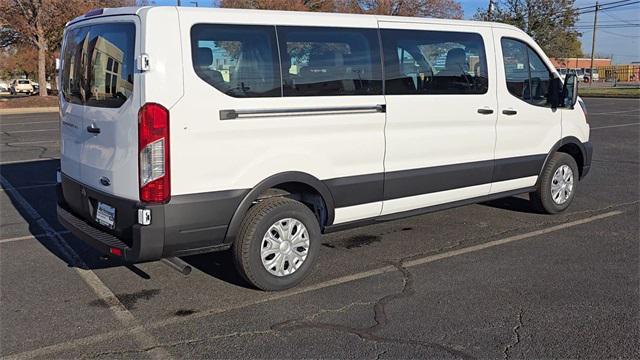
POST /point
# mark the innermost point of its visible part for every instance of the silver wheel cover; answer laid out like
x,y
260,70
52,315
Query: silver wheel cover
x,y
562,184
284,247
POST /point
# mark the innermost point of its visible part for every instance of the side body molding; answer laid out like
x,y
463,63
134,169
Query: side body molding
x,y
274,180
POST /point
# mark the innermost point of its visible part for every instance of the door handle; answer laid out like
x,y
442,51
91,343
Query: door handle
x,y
92,129
485,111
509,112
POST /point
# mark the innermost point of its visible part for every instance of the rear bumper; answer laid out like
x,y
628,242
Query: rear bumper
x,y
187,225
147,244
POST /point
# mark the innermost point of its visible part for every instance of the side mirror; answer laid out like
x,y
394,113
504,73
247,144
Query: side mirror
x,y
570,91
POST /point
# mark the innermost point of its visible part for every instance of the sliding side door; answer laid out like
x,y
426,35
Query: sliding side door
x,y
441,114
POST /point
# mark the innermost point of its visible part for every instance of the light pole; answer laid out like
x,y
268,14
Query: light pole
x,y
593,42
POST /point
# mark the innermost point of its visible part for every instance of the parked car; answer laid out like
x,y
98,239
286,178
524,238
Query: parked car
x,y
4,87
21,86
36,87
258,131
590,75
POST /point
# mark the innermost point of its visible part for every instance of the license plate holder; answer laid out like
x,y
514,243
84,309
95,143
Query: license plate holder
x,y
106,215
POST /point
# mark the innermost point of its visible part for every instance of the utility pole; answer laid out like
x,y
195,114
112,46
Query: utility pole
x,y
593,41
490,10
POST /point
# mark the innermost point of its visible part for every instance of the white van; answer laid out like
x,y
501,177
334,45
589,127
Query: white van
x,y
189,130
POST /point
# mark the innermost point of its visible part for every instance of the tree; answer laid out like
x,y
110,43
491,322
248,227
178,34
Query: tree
x,y
431,8
550,23
39,24
19,60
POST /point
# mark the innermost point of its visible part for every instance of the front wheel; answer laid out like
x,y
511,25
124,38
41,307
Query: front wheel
x,y
557,184
277,244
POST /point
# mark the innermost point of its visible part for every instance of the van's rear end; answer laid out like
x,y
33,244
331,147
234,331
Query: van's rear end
x,y
115,155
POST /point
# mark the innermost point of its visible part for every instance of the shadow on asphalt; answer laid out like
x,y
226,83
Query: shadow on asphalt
x,y
513,203
32,174
218,265
43,200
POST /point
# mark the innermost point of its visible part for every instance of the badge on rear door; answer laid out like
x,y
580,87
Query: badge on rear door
x,y
105,181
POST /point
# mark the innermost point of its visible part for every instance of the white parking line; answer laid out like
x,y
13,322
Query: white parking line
x,y
30,237
142,337
613,126
101,338
615,112
32,142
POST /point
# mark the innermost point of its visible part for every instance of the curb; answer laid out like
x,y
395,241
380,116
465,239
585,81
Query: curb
x,y
28,110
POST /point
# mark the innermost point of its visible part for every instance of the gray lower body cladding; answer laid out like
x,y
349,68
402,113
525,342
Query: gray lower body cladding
x,y
199,223
186,225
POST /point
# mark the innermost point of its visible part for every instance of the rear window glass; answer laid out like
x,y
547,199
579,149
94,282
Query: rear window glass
x,y
98,64
23,81
240,61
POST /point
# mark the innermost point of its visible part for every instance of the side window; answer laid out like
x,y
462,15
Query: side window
x,y
514,55
434,62
528,78
329,61
540,79
239,60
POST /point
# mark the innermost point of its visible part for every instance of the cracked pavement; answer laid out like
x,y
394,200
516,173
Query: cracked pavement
x,y
571,293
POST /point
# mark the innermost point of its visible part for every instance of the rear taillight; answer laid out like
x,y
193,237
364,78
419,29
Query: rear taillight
x,y
153,147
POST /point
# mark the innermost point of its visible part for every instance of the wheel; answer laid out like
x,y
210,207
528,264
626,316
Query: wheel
x,y
277,244
557,185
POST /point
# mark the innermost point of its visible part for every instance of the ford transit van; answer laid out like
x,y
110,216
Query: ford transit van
x,y
192,130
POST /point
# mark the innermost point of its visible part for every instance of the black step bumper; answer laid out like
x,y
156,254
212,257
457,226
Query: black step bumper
x,y
187,225
147,244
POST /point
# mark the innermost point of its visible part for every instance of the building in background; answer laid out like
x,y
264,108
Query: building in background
x,y
579,63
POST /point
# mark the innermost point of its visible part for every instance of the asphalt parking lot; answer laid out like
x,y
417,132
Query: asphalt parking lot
x,y
492,280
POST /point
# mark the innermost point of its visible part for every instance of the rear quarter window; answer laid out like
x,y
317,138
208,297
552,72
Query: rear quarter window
x,y
239,60
98,64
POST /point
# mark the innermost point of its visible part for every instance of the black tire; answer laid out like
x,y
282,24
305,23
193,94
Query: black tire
x,y
542,199
256,223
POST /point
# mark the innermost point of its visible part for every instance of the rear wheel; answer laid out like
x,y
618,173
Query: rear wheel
x,y
277,244
557,184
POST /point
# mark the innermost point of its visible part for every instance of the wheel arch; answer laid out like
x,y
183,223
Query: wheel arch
x,y
287,182
572,146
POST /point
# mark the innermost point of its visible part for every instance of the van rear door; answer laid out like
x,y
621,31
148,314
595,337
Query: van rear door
x,y
99,104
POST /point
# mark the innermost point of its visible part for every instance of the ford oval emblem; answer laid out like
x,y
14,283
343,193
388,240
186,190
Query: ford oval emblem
x,y
105,181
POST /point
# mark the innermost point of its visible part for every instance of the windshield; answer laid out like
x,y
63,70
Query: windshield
x,y
98,64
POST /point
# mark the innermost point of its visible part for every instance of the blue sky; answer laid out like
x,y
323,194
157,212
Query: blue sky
x,y
623,43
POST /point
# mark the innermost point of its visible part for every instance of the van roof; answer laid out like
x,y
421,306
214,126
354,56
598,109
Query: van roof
x,y
296,15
